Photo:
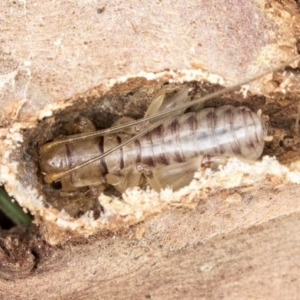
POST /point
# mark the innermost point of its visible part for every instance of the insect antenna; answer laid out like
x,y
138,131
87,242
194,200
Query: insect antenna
x,y
167,113
160,117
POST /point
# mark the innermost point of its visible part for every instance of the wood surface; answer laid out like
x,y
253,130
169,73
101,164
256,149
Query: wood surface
x,y
178,254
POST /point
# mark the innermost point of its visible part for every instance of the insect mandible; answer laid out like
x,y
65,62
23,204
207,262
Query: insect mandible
x,y
166,147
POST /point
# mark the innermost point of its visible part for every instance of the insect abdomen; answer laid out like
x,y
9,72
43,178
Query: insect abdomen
x,y
227,130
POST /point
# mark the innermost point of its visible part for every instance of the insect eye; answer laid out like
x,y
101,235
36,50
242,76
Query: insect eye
x,y
56,184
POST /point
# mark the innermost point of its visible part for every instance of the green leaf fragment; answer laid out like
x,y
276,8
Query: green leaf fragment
x,y
12,210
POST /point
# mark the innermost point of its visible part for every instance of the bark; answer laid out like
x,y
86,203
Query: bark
x,y
206,253
235,241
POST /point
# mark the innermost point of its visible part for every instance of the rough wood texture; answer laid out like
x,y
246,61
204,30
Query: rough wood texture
x,y
53,50
238,244
202,254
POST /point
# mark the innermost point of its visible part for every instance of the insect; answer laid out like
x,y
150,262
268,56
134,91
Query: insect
x,y
166,147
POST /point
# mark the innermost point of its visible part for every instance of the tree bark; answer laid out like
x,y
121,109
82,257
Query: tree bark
x,y
208,253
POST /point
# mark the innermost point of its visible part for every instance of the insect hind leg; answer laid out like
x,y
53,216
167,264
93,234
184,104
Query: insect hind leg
x,y
174,176
179,175
161,102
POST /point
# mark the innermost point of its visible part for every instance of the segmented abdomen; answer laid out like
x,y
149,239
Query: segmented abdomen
x,y
227,130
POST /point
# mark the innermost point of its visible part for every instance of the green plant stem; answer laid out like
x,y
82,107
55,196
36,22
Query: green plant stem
x,y
12,210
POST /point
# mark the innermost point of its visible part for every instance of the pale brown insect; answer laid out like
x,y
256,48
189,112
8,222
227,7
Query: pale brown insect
x,y
167,146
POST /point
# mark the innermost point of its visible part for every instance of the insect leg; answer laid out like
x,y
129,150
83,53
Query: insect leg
x,y
161,103
80,124
123,121
178,175
175,175
127,178
94,191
